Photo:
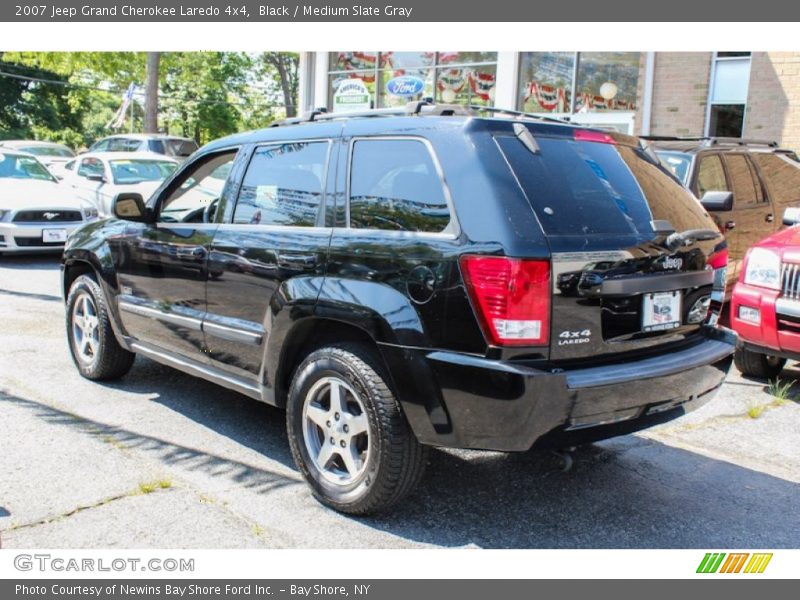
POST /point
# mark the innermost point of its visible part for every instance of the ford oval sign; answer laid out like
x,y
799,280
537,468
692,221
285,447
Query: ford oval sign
x,y
405,85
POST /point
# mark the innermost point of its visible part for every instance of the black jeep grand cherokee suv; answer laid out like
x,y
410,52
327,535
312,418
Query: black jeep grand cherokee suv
x,y
434,278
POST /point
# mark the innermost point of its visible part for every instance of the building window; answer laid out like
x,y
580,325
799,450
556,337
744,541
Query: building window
x,y
449,77
568,82
730,79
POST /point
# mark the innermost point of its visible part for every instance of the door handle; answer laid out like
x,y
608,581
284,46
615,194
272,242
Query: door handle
x,y
729,225
770,218
297,261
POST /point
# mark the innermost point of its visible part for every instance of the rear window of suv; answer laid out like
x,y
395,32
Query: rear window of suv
x,y
589,188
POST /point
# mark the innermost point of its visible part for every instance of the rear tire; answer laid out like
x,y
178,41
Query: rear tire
x,y
348,436
756,364
94,348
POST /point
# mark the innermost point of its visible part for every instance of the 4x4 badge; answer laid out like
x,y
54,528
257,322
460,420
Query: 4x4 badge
x,y
574,337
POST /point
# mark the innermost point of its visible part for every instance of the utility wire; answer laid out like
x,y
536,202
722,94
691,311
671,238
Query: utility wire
x,y
120,92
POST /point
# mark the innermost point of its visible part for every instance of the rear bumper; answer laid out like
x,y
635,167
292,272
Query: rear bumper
x,y
498,405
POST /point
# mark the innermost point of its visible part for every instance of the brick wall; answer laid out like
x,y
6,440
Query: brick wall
x,y
680,93
773,103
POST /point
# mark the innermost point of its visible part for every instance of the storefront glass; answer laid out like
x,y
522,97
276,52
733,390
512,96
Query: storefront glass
x,y
395,78
601,81
546,81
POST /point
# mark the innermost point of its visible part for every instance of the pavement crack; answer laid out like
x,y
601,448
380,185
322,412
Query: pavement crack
x,y
83,508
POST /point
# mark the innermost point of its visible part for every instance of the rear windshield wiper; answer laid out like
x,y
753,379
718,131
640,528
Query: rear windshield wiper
x,y
690,236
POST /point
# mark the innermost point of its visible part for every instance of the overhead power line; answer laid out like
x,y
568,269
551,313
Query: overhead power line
x,y
117,92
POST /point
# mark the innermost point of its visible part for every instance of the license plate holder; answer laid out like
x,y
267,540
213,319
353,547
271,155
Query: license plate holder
x,y
661,311
51,236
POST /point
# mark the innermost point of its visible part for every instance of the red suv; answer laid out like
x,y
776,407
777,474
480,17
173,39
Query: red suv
x,y
765,306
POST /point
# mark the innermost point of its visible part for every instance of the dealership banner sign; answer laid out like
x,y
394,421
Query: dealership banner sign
x,y
402,10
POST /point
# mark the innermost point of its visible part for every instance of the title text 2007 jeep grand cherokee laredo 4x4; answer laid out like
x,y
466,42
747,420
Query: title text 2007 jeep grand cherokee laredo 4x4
x,y
399,281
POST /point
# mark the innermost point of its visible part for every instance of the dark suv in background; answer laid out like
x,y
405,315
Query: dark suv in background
x,y
745,184
408,278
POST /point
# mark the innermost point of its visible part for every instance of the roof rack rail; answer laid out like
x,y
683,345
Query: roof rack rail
x,y
424,107
730,141
516,113
711,140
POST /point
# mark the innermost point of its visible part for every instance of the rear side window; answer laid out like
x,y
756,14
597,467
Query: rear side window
x,y
283,185
711,176
124,145
782,177
394,185
584,188
746,189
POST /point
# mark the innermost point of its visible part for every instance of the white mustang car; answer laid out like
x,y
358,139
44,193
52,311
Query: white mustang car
x,y
98,177
37,213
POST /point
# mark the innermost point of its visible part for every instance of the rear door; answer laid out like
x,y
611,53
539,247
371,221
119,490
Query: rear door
x,y
752,213
781,176
274,241
620,284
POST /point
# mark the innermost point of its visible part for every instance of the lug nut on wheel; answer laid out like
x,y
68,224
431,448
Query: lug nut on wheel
x,y
342,444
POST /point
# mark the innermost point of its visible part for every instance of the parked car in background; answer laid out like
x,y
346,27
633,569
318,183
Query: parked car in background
x,y
37,213
744,184
393,282
97,177
765,305
49,154
178,148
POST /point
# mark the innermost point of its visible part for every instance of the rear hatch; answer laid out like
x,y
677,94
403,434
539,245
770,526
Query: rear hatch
x,y
630,246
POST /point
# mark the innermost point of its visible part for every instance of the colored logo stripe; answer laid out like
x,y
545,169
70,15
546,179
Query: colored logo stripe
x,y
735,561
710,562
758,563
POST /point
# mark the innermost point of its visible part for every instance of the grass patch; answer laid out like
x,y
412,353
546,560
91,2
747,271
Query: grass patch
x,y
755,410
780,391
148,487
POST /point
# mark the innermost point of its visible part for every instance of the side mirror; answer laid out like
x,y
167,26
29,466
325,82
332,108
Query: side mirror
x,y
791,216
717,201
129,206
96,177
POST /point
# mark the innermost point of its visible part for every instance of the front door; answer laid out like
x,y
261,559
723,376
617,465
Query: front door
x,y
162,266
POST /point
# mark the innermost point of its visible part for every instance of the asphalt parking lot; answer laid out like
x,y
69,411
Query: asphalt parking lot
x,y
162,460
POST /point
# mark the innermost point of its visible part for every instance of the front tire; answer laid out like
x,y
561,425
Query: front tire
x,y
756,364
348,436
92,343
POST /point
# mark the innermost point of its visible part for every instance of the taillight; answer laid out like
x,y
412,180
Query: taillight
x,y
589,135
719,259
512,298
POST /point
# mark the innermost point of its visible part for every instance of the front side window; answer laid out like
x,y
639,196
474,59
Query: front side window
x,y
91,167
394,185
283,185
711,176
199,188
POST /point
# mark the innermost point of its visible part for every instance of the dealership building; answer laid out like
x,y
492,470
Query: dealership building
x,y
749,94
